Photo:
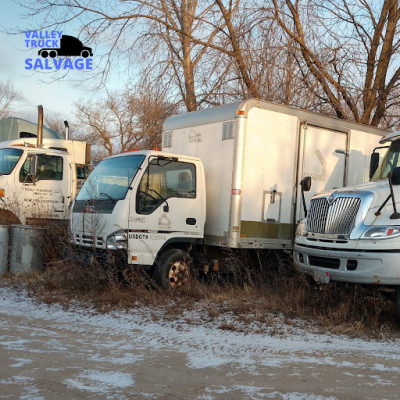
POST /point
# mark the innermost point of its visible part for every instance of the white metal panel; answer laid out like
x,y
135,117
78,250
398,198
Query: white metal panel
x,y
362,144
270,156
205,141
323,157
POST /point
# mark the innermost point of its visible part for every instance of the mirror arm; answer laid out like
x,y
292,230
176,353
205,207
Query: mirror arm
x,y
395,214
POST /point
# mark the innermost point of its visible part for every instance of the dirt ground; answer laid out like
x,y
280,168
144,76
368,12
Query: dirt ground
x,y
51,353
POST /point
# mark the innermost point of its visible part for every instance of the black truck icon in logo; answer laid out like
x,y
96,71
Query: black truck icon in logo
x,y
69,46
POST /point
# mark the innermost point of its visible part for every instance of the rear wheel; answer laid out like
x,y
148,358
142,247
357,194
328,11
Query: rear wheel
x,y
172,270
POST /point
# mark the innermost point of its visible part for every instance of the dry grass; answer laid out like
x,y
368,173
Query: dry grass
x,y
264,291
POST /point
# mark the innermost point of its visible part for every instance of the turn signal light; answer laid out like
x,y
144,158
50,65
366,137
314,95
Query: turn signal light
x,y
2,192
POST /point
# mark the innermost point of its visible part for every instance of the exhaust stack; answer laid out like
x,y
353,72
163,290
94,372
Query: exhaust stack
x,y
40,127
66,130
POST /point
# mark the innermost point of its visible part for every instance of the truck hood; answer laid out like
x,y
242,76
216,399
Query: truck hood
x,y
380,191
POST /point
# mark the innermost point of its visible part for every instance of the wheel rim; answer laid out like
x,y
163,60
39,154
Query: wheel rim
x,y
178,274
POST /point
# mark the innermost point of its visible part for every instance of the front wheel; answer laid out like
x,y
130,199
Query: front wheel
x,y
172,270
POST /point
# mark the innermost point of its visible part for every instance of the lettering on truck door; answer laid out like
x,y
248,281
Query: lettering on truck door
x,y
45,195
166,206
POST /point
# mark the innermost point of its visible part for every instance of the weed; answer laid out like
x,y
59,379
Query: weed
x,y
258,289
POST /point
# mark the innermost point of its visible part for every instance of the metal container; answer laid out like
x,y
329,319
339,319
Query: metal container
x,y
4,242
26,249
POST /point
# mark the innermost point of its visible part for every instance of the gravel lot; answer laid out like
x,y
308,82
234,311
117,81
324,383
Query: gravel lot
x,y
47,352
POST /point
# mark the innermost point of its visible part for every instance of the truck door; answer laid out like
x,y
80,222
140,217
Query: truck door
x,y
166,207
323,156
47,194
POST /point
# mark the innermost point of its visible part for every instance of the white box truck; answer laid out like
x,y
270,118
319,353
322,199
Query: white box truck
x,y
228,178
40,178
352,234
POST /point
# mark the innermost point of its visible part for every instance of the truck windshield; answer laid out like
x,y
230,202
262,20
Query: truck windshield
x,y
390,160
111,179
8,160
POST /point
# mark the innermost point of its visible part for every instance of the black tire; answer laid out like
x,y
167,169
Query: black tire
x,y
172,270
53,53
44,53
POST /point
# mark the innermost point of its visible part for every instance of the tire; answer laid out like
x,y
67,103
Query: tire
x,y
44,53
53,53
172,270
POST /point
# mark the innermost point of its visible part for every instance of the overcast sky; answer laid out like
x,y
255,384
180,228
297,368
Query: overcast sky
x,y
56,96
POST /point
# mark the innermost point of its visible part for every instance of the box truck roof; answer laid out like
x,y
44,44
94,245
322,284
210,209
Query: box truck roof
x,y
228,112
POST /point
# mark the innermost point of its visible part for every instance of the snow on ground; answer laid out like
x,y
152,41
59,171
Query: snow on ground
x,y
124,355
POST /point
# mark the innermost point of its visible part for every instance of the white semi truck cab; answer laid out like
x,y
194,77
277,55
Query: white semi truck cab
x,y
140,207
40,182
352,234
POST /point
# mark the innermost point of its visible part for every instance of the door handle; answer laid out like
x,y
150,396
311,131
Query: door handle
x,y
190,221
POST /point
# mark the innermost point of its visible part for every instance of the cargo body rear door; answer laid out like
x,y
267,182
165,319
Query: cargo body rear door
x,y
323,156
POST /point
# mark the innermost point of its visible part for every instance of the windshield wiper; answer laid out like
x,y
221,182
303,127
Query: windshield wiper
x,y
107,195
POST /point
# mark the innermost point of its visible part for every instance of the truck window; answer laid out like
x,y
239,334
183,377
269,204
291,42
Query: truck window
x,y
8,160
163,180
111,179
50,168
390,160
82,171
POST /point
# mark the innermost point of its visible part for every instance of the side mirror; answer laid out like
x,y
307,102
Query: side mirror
x,y
33,166
306,184
396,176
373,164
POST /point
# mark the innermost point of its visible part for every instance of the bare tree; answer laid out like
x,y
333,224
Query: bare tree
x,y
346,51
8,97
123,121
55,122
199,47
127,25
150,110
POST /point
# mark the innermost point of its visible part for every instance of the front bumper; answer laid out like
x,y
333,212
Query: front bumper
x,y
364,267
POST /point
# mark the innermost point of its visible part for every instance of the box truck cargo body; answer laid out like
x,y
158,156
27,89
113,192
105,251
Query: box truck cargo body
x,y
228,178
255,155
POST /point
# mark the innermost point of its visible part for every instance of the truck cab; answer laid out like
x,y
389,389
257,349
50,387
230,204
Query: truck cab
x,y
142,208
352,234
39,183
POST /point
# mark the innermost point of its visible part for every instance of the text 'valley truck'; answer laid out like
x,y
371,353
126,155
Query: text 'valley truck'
x,y
228,178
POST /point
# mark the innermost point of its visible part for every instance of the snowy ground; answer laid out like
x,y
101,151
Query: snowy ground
x,y
50,353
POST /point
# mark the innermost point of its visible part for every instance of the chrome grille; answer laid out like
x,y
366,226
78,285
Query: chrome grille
x,y
88,240
337,218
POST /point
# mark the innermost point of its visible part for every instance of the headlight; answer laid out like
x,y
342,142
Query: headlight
x,y
117,240
301,228
381,232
